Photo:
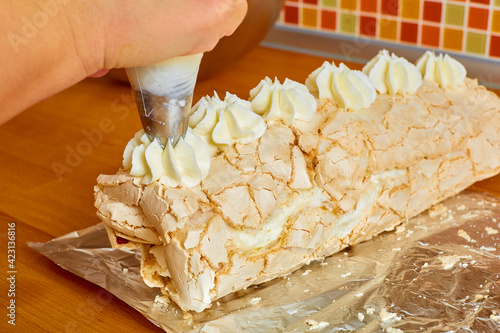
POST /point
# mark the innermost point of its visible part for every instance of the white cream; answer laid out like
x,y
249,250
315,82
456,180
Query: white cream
x,y
222,123
273,226
313,198
387,179
392,74
352,89
173,78
186,164
442,69
287,102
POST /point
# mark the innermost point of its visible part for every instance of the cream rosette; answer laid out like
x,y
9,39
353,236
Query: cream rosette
x,y
393,75
186,164
352,89
287,102
223,123
442,69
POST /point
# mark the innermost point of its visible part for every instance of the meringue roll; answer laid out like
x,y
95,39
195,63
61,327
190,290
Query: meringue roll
x,y
260,187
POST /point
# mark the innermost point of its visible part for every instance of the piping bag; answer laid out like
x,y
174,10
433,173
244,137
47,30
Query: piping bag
x,y
163,93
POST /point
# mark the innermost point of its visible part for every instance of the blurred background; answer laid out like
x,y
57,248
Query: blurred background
x,y
355,31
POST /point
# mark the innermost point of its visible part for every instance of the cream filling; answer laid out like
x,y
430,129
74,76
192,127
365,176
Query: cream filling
x,y
272,229
377,183
313,198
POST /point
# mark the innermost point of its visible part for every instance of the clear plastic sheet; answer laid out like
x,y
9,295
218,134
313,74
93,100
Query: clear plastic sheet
x,y
438,272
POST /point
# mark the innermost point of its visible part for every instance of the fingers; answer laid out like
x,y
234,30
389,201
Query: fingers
x,y
230,14
100,73
142,32
222,20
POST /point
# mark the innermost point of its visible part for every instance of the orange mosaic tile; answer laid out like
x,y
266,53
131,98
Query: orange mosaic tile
x,y
367,26
328,20
495,46
465,26
432,11
430,36
409,32
495,21
291,14
478,18
410,9
310,17
369,6
388,29
390,7
348,4
452,39
484,2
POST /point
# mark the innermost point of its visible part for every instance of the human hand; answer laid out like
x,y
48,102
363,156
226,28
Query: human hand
x,y
49,45
131,33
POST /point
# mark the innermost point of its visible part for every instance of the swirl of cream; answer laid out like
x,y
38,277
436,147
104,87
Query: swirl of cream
x,y
392,74
352,89
222,123
186,164
288,101
442,69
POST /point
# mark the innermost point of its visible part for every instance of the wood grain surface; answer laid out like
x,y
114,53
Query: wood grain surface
x,y
50,157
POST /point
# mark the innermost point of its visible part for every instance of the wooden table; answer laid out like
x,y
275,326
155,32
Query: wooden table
x,y
50,158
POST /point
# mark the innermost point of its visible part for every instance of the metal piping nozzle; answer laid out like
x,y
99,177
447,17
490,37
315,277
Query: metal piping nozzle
x,y
163,93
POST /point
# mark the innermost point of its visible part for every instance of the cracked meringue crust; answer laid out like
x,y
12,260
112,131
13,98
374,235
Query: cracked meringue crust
x,y
305,191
